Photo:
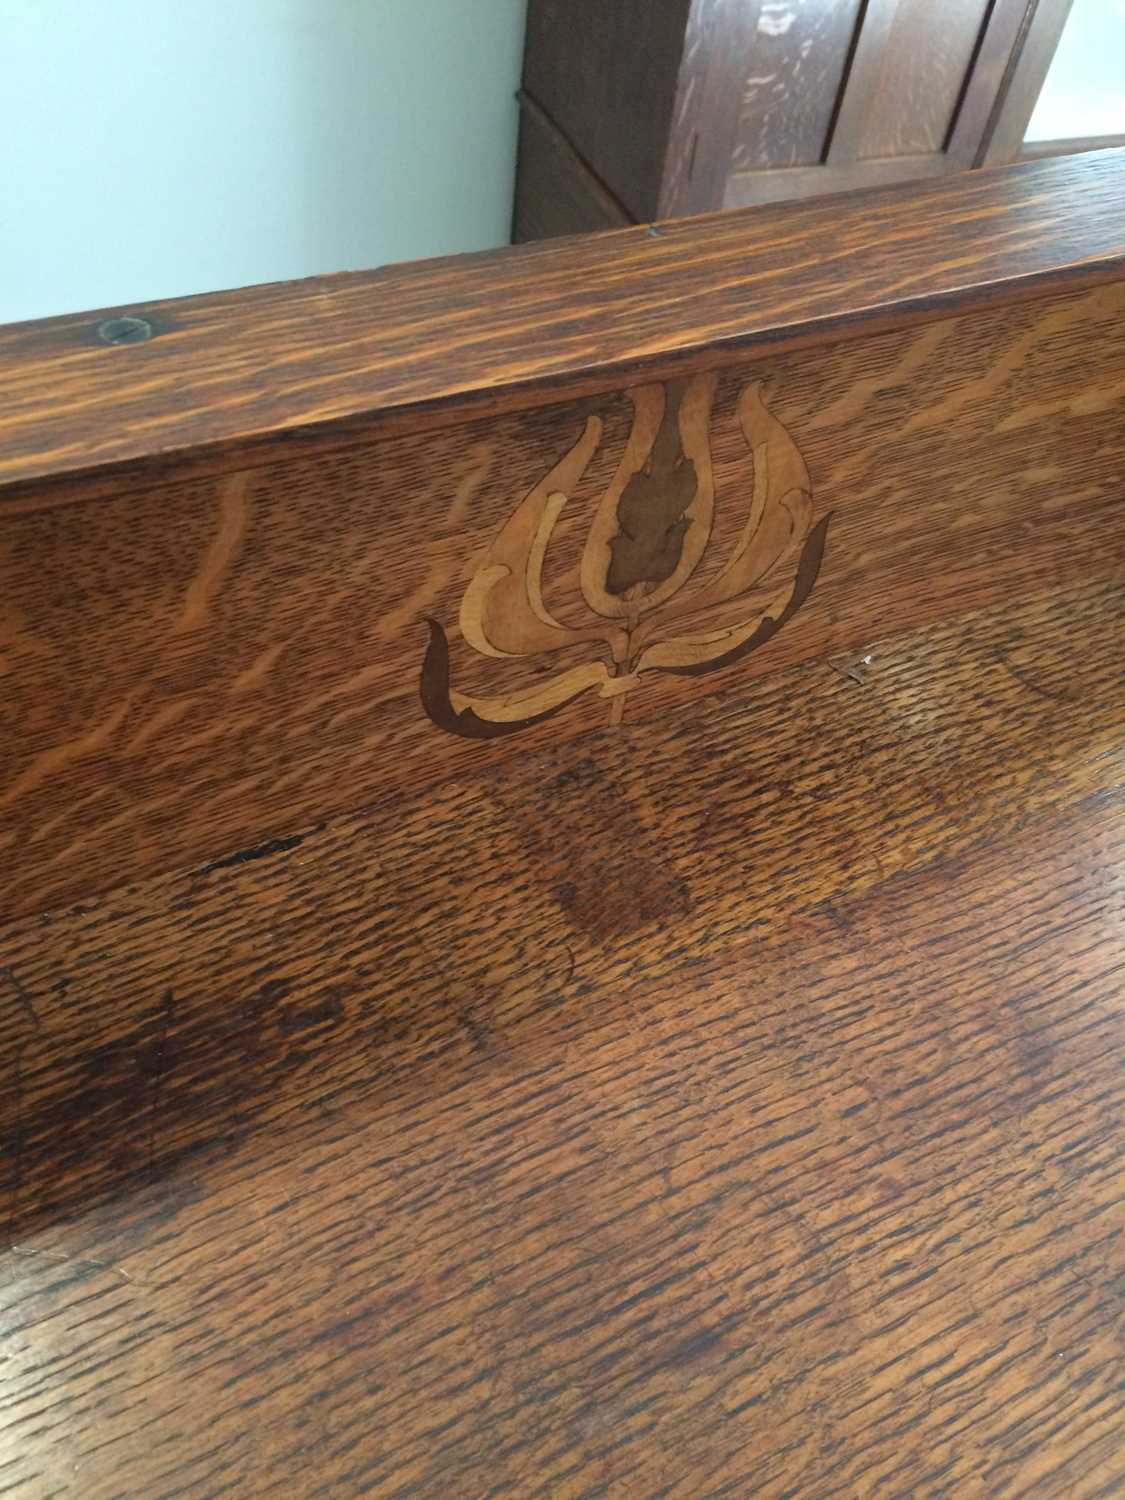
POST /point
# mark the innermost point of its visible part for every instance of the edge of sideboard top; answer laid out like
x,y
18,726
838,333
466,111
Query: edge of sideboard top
x,y
361,354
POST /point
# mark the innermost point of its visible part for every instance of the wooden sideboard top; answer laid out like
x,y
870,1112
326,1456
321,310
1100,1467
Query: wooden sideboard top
x,y
708,1085
713,1109
427,343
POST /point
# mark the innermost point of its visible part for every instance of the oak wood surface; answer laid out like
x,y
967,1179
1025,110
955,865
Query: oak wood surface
x,y
792,83
786,184
719,39
726,1105
568,938
197,666
781,99
906,79
326,362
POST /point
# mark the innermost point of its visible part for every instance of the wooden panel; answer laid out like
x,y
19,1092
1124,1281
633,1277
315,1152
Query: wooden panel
x,y
718,45
556,193
174,691
908,75
794,73
992,72
392,1164
745,189
606,75
250,375
903,117
1028,72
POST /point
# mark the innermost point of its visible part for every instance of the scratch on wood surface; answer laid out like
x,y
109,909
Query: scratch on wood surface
x,y
479,459
73,1260
256,851
168,1009
851,670
26,1004
167,715
1053,694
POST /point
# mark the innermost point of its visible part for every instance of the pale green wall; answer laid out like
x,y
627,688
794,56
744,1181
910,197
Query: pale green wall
x,y
152,148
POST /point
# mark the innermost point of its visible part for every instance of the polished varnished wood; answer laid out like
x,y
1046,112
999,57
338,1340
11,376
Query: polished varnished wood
x,y
719,37
690,107
331,361
906,78
925,88
725,1105
792,84
562,869
194,666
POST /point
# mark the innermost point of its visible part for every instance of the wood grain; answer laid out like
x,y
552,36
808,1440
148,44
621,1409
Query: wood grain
x,y
794,73
718,42
695,1089
785,184
732,1109
308,367
906,79
781,99
173,692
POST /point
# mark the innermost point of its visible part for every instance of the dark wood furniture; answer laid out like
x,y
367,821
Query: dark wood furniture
x,y
562,862
637,111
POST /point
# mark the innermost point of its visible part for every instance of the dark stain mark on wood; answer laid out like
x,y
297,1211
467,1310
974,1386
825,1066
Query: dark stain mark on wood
x,y
15,1145
479,1030
608,872
694,1348
1053,695
159,1065
259,851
